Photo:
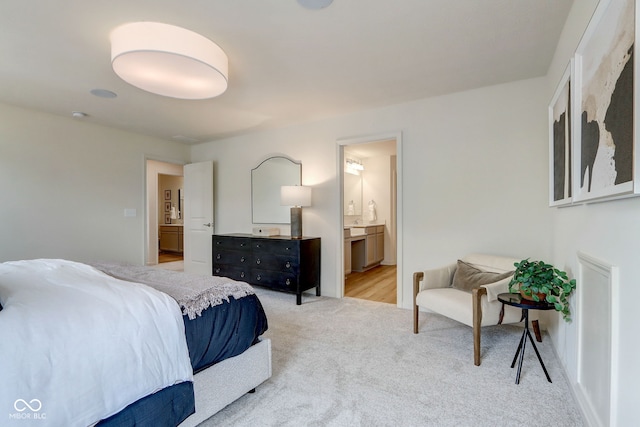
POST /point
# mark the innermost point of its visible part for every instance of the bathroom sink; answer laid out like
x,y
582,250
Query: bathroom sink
x,y
358,231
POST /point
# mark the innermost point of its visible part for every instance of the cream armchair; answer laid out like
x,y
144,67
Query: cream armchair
x,y
467,291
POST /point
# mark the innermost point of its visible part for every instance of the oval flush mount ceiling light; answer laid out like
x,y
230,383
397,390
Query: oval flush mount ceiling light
x,y
315,4
169,60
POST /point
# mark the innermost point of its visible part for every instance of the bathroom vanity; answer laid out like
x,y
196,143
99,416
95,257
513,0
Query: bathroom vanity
x,y
363,247
171,237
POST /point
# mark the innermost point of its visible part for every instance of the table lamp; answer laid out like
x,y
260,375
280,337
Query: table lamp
x,y
295,196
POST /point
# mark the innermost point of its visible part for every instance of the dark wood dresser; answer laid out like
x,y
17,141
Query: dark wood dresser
x,y
279,262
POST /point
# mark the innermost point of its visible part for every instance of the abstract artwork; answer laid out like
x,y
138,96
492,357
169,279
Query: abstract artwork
x,y
560,142
605,161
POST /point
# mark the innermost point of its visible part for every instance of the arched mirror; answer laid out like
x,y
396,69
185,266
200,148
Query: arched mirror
x,y
266,180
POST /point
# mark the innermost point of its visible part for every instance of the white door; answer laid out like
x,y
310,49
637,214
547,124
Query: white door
x,y
198,218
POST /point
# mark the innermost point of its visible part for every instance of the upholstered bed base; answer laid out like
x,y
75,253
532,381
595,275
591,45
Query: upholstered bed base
x,y
226,381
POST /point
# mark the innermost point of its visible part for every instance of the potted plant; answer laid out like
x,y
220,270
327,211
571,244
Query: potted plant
x,y
539,281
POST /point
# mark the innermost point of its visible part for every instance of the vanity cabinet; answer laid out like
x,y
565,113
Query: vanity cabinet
x,y
279,262
171,238
367,249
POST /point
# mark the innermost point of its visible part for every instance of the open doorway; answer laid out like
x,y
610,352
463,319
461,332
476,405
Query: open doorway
x,y
170,219
164,212
369,207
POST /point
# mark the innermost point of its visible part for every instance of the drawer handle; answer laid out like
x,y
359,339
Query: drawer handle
x,y
242,274
217,270
287,249
218,256
288,281
288,264
242,245
258,277
241,259
258,246
258,261
218,242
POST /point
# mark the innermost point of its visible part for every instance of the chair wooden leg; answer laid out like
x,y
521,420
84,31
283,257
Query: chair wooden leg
x,y
476,345
477,322
536,330
417,277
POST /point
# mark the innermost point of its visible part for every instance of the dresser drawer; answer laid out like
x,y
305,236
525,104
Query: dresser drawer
x,y
277,247
231,243
232,272
282,263
232,257
274,279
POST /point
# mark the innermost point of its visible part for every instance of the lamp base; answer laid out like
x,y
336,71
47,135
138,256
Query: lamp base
x,y
296,223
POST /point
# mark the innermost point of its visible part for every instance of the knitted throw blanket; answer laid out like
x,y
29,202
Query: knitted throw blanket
x,y
193,293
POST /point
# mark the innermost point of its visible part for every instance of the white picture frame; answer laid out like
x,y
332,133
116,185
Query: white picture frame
x,y
605,109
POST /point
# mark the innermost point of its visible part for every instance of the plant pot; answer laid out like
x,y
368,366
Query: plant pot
x,y
541,296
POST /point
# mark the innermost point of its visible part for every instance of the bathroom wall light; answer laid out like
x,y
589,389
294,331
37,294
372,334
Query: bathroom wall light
x,y
355,164
295,196
354,167
169,60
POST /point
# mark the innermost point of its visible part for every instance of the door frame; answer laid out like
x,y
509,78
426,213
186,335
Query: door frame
x,y
340,144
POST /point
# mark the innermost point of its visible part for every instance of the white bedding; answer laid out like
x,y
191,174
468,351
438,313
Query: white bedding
x,y
77,345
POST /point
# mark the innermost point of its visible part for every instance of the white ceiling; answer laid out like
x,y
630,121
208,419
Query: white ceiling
x,y
287,64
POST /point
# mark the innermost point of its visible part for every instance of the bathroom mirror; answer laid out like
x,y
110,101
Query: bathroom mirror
x,y
352,194
266,180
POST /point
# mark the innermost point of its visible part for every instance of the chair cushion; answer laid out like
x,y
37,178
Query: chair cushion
x,y
468,277
457,305
495,263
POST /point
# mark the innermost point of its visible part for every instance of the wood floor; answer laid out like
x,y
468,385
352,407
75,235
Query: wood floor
x,y
377,284
169,257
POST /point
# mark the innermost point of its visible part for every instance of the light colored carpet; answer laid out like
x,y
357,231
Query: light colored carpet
x,y
352,362
173,265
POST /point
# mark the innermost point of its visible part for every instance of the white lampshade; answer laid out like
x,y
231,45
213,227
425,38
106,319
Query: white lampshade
x,y
169,60
295,195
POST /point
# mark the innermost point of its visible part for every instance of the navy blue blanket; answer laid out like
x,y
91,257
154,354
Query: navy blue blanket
x,y
167,407
224,331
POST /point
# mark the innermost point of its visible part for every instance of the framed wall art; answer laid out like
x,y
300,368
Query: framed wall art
x,y
560,142
167,194
604,111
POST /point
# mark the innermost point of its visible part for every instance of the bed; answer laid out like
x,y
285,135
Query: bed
x,y
95,345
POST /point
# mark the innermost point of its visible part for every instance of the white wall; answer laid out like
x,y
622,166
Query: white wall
x,y
65,184
474,171
609,231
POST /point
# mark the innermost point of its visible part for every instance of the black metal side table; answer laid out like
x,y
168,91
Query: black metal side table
x,y
516,300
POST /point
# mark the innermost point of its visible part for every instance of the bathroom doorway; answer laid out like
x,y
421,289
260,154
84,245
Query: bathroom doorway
x,y
170,219
163,212
369,204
